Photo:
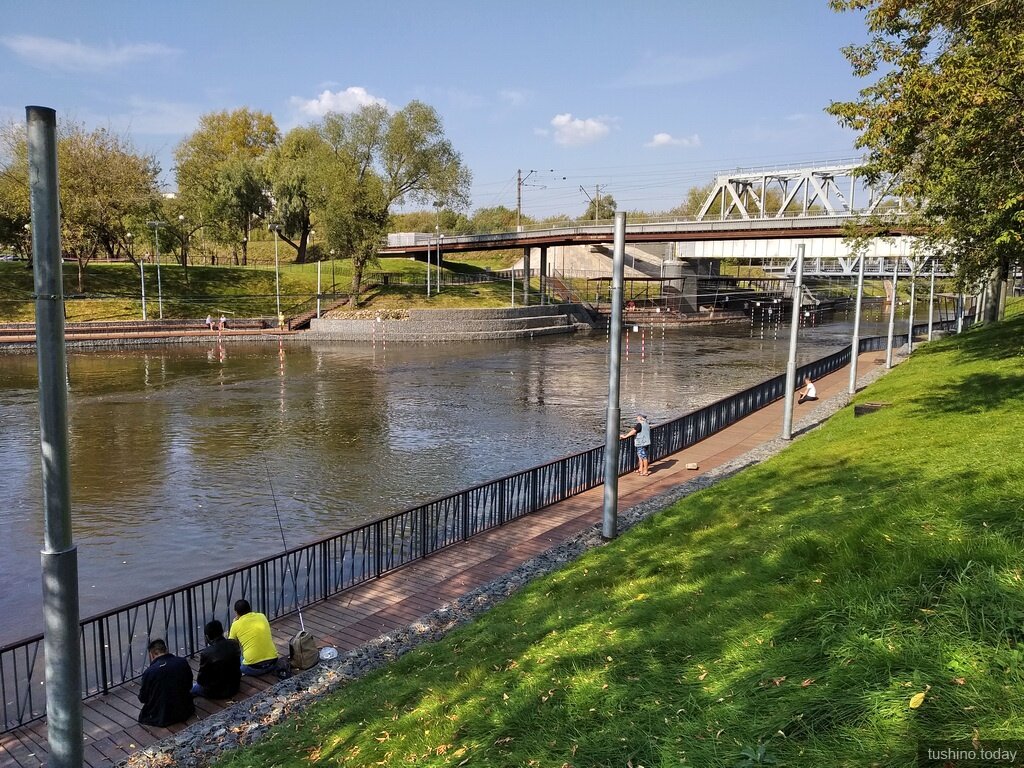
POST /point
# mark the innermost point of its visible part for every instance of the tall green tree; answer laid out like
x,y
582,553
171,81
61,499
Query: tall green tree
x,y
600,207
221,177
944,114
106,187
14,197
389,159
295,171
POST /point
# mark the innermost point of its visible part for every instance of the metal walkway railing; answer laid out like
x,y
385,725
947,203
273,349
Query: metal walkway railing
x,y
114,643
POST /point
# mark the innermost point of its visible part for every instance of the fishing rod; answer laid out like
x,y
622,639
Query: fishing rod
x,y
284,543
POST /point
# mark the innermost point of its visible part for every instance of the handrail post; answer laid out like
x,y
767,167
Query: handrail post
x,y
787,413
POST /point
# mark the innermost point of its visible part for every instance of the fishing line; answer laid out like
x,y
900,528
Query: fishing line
x,y
284,543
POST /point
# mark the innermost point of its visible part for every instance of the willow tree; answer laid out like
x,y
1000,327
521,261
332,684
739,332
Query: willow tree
x,y
220,173
387,159
944,115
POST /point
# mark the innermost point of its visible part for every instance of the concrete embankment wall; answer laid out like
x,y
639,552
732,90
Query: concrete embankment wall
x,y
455,324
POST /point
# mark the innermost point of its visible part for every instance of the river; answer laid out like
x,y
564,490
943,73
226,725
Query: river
x,y
182,455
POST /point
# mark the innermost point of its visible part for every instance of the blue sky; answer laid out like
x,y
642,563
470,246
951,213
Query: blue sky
x,y
643,98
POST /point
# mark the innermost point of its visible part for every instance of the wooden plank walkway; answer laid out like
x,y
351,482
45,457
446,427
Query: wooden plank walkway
x,y
358,615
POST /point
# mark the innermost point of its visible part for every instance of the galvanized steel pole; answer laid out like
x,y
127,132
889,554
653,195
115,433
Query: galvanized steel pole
x,y
787,413
931,301
611,432
59,556
855,342
910,317
892,316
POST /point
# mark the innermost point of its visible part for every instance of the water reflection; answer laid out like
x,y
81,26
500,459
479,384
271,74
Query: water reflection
x,y
171,447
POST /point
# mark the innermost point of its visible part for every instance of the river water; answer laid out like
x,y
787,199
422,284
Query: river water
x,y
180,454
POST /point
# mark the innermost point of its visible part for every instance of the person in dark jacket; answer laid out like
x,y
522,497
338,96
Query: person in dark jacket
x,y
219,665
166,692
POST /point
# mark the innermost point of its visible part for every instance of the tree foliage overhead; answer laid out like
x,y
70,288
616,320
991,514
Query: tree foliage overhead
x,y
945,115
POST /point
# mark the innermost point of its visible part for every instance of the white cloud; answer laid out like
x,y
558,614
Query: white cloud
x,y
668,70
668,140
352,99
573,132
515,98
75,56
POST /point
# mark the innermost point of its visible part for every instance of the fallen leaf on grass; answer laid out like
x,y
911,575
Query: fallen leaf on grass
x,y
807,682
917,700
779,680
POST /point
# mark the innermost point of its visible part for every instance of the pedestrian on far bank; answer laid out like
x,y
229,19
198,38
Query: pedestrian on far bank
x,y
223,322
252,631
166,692
642,443
209,322
219,665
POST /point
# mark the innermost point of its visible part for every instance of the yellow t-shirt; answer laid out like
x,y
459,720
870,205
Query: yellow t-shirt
x,y
252,631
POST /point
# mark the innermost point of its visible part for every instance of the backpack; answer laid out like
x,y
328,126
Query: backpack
x,y
302,650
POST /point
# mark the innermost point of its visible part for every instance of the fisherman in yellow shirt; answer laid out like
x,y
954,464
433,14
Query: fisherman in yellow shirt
x,y
252,631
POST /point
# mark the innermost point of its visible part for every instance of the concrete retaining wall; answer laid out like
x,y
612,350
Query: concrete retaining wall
x,y
456,325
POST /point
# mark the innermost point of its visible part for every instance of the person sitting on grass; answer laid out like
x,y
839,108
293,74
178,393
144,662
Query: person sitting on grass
x,y
252,631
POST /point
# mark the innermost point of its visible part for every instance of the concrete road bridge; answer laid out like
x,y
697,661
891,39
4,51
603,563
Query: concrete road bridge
x,y
760,216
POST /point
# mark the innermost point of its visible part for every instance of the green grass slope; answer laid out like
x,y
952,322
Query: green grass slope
x,y
795,613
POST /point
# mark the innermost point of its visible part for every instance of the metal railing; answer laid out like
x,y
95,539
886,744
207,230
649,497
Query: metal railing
x,y
114,643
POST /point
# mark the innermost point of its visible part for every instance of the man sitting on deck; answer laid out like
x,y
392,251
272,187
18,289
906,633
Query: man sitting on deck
x,y
252,631
219,665
166,688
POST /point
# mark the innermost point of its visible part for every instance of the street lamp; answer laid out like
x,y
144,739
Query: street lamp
x,y
159,284
275,228
142,273
440,242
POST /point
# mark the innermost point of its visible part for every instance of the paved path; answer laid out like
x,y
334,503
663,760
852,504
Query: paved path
x,y
360,614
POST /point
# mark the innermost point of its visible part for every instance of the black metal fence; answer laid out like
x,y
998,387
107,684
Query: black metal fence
x,y
114,643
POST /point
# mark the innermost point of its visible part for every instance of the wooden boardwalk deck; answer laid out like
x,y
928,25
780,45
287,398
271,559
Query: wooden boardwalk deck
x,y
358,615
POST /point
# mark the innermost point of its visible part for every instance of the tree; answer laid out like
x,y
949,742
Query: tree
x,y
945,116
14,197
600,207
105,187
693,201
389,159
221,180
292,168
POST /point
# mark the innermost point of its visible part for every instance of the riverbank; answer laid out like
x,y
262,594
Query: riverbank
x,y
840,604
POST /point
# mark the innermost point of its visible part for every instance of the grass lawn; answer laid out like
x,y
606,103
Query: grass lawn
x,y
113,291
858,595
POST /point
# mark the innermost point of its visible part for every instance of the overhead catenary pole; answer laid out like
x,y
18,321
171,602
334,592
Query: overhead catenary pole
x,y
787,412
892,316
855,342
59,556
611,436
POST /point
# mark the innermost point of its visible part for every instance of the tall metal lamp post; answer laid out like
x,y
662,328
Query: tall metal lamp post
x,y
142,272
275,228
159,284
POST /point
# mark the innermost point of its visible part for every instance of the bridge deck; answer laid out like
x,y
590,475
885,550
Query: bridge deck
x,y
358,615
